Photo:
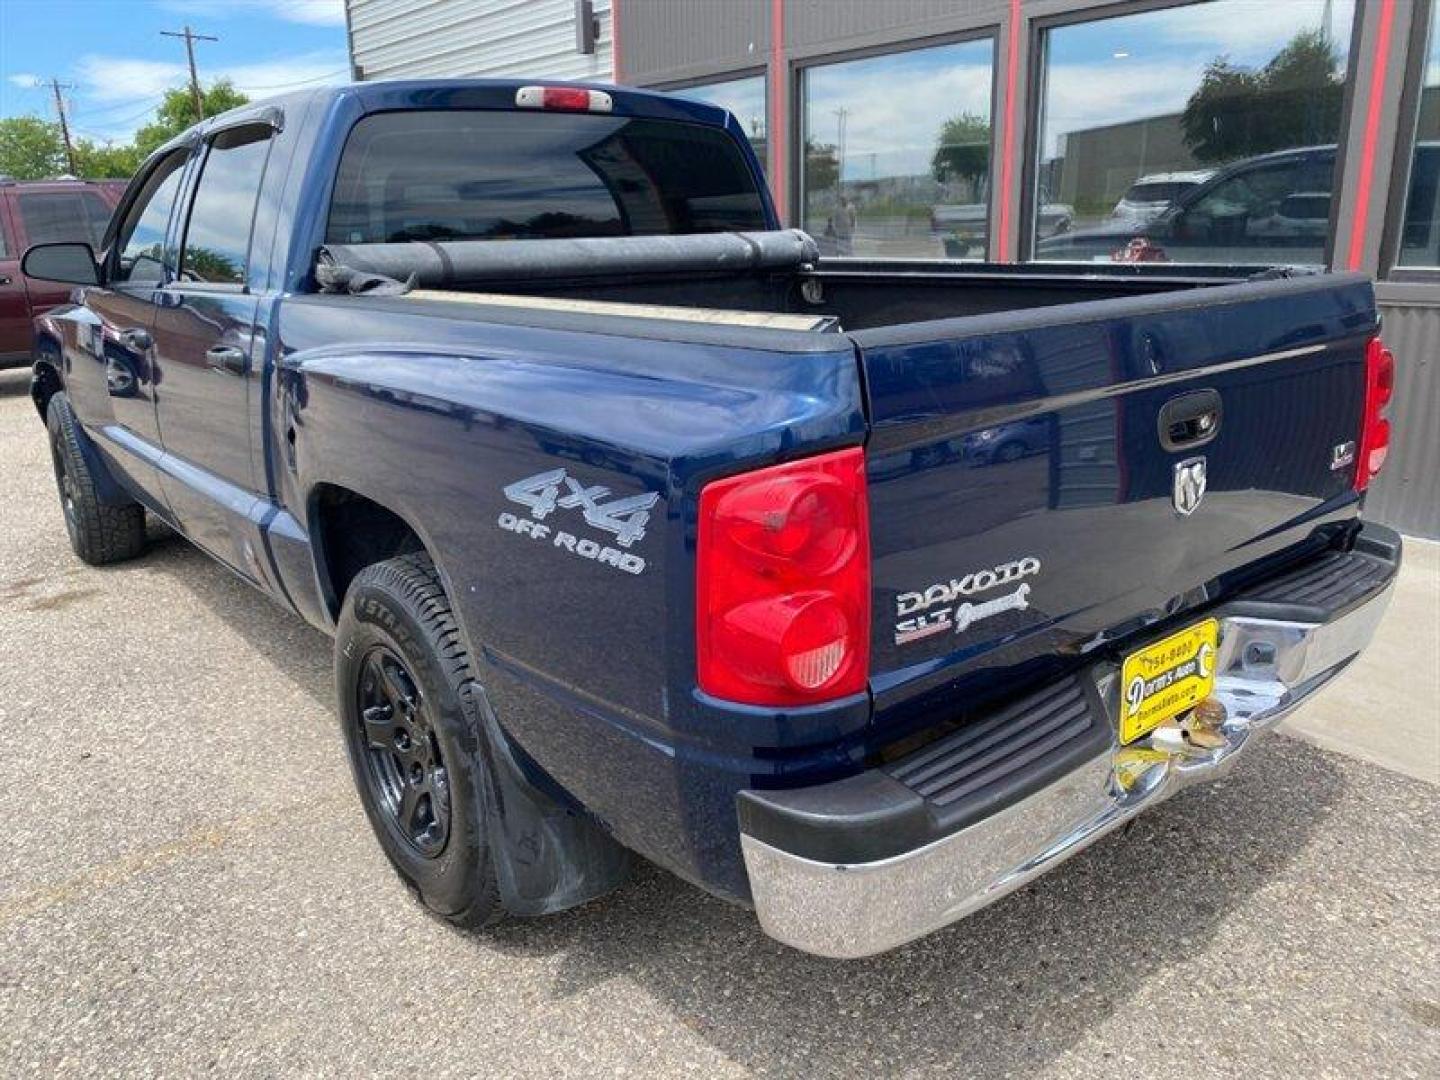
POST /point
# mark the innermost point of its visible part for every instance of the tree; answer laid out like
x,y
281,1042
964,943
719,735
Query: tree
x,y
962,149
822,166
177,112
30,148
107,162
1294,100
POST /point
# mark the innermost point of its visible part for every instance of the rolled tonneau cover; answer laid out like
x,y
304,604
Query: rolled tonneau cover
x,y
441,263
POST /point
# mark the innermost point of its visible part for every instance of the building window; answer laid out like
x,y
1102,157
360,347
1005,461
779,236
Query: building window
x,y
745,99
897,153
1205,133
1420,228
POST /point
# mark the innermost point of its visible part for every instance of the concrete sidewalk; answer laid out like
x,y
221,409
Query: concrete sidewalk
x,y
1386,708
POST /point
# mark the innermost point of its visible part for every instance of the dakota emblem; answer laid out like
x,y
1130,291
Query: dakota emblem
x,y
1189,485
944,606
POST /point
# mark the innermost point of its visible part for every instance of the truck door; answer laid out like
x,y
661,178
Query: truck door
x,y
110,374
203,338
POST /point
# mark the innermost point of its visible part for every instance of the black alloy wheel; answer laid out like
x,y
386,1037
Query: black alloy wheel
x,y
404,767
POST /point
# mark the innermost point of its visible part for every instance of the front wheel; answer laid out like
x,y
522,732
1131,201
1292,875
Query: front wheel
x,y
99,532
400,672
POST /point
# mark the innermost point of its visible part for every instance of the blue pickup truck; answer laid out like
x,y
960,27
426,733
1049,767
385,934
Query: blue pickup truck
x,y
640,528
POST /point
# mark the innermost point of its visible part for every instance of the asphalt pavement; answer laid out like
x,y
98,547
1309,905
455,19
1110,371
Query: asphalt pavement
x,y
190,885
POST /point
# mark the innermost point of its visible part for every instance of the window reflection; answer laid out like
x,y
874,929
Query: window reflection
x,y
897,153
1205,133
218,236
1420,232
745,99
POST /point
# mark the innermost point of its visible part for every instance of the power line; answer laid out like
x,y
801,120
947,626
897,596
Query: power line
x,y
87,112
190,38
301,82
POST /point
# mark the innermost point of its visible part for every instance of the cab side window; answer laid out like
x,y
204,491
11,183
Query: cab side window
x,y
141,239
217,238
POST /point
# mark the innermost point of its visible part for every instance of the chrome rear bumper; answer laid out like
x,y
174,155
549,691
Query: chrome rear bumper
x,y
1266,667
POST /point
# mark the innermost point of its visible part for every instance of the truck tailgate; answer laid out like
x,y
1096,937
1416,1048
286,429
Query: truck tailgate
x,y
1047,481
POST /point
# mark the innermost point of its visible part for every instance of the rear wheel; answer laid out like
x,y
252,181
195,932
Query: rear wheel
x,y
99,532
400,672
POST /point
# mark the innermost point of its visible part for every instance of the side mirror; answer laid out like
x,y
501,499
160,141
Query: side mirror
x,y
71,263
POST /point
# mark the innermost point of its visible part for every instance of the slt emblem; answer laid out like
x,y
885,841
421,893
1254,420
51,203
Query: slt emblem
x,y
1189,485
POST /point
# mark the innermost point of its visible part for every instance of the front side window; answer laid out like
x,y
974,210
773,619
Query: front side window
x,y
476,175
897,153
745,100
217,238
141,240
1420,228
1204,133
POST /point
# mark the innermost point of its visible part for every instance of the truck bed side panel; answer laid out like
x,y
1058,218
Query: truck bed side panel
x,y
584,637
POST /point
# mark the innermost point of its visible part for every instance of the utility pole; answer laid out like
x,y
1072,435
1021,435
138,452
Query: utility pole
x,y
56,85
190,39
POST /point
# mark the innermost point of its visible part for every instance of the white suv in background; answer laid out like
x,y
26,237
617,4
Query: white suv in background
x,y
1149,196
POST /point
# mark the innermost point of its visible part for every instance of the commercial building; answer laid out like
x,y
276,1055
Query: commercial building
x,y
1233,131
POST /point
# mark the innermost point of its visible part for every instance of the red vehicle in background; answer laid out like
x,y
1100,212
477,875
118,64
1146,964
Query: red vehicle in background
x,y
41,212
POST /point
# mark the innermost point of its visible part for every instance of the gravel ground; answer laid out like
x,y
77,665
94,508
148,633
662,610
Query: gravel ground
x,y
189,884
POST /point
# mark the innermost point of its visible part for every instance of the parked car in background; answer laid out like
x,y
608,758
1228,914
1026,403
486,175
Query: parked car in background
x,y
1150,196
1007,442
963,227
1270,210
42,212
639,533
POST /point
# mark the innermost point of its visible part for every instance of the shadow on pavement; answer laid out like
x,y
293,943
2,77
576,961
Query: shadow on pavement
x,y
1001,992
14,382
1004,991
292,647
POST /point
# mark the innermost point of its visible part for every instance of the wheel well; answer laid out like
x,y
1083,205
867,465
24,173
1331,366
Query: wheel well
x,y
46,381
354,532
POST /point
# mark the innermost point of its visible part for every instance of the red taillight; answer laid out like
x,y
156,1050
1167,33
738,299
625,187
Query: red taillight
x,y
563,99
1374,428
783,587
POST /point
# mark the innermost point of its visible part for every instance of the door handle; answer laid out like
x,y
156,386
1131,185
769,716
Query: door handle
x,y
135,338
226,358
4,279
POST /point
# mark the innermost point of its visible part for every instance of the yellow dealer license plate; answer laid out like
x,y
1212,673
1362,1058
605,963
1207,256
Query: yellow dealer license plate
x,y
1165,679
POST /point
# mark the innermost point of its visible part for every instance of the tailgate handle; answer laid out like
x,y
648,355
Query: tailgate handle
x,y
1190,420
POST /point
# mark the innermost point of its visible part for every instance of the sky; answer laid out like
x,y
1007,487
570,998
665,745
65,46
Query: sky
x,y
118,65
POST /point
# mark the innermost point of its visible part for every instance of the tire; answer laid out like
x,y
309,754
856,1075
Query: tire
x,y
400,674
99,533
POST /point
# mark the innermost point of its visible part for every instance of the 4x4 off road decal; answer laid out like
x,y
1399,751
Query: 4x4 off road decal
x,y
546,492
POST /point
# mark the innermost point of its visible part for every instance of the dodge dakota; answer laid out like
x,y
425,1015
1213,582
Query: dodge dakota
x,y
639,528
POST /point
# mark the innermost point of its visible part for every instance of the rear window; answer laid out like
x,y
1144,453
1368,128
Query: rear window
x,y
1161,192
64,216
472,175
